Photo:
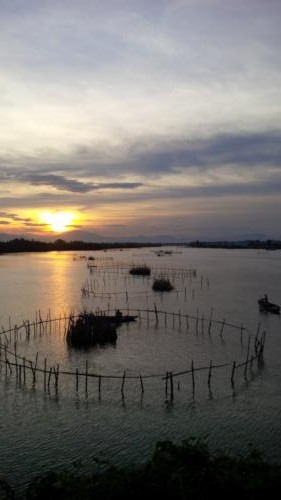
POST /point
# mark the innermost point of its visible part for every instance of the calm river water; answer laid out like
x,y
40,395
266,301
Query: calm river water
x,y
42,428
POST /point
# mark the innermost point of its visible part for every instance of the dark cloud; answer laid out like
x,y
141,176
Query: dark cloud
x,y
249,149
4,222
63,183
56,181
7,215
14,217
150,158
156,157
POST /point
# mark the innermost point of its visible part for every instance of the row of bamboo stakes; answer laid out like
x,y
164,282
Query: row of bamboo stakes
x,y
88,290
10,359
176,271
115,272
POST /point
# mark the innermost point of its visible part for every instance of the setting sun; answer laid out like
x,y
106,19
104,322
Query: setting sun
x,y
59,222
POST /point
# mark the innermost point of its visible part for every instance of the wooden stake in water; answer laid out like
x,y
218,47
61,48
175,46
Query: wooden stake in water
x,y
99,387
123,383
210,374
141,383
24,375
77,379
49,379
222,327
193,378
56,373
166,384
171,386
233,373
45,373
156,313
86,377
247,357
210,323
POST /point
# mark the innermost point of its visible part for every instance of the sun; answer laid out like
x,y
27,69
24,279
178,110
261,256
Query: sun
x,y
59,222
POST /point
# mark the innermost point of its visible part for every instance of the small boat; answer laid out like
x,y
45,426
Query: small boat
x,y
267,306
122,318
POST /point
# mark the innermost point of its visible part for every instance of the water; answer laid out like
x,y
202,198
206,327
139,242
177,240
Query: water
x,y
41,428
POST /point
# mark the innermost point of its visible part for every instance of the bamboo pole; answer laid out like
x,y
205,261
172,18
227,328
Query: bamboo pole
x,y
171,387
56,372
202,320
16,360
45,372
233,373
210,323
141,383
24,374
222,327
123,383
247,357
77,379
210,374
193,378
99,387
86,377
156,313
5,350
166,384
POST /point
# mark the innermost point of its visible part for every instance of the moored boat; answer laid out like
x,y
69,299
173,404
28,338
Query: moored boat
x,y
267,306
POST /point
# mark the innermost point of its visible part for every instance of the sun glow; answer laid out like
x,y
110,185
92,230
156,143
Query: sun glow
x,y
59,222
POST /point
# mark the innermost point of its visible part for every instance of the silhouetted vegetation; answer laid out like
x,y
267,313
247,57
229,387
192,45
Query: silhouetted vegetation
x,y
162,285
251,244
140,271
23,245
188,471
90,329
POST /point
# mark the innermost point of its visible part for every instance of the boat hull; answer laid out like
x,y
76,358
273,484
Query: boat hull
x,y
268,307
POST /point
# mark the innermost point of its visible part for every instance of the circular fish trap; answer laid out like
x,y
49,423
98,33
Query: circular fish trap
x,y
19,360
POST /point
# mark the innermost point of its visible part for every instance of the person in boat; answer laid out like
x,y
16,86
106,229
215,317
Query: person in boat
x,y
118,314
265,298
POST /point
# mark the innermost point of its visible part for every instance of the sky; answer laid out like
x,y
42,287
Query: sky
x,y
127,118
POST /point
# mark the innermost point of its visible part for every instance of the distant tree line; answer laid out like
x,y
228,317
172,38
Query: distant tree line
x,y
254,244
23,245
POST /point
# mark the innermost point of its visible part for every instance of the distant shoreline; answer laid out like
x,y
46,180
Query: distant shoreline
x,y
22,245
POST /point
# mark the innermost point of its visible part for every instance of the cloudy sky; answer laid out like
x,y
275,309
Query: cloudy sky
x,y
140,117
